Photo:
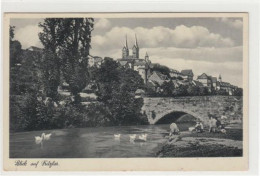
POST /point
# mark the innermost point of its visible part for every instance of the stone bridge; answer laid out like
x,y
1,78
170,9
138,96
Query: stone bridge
x,y
158,109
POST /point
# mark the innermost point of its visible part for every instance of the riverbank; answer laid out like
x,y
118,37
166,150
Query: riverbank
x,y
204,145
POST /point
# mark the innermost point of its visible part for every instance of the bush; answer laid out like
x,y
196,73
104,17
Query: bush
x,y
97,115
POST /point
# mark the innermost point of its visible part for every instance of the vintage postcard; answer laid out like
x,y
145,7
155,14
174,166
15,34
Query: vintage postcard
x,y
126,92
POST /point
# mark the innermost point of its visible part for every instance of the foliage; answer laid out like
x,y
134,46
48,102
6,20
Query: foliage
x,y
168,88
181,91
15,48
51,38
116,89
161,68
50,74
193,90
97,115
222,92
238,92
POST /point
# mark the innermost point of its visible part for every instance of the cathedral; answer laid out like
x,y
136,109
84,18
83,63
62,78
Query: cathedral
x,y
142,66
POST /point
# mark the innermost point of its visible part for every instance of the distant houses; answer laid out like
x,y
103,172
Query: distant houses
x,y
158,78
213,84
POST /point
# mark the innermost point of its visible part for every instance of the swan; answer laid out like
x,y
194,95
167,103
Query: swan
x,y
143,137
47,136
39,140
117,136
132,137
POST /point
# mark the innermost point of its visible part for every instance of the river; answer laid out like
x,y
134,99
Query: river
x,y
91,142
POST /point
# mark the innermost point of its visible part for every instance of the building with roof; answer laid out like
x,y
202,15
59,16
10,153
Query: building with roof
x,y
94,61
158,78
34,48
175,74
206,81
214,82
187,74
142,66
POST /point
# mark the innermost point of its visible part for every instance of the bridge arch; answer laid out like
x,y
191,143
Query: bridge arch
x,y
174,116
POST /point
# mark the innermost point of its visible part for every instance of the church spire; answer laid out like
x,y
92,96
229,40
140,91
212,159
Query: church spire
x,y
125,50
126,45
136,43
220,79
146,57
136,49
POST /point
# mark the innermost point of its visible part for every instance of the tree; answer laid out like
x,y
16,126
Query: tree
x,y
66,43
116,90
204,91
75,50
15,48
193,90
168,88
238,92
161,68
181,91
52,39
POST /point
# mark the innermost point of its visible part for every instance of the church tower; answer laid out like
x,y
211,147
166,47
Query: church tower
x,y
125,50
219,78
146,58
136,49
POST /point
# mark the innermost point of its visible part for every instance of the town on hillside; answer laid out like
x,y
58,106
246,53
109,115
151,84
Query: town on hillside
x,y
154,78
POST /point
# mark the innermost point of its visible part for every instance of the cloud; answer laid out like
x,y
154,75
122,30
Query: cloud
x,y
212,54
181,37
102,23
235,23
28,36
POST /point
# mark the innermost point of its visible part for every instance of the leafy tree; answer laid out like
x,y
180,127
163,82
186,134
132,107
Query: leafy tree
x,y
15,48
193,90
168,88
181,91
52,39
204,91
238,92
75,51
161,68
117,87
222,92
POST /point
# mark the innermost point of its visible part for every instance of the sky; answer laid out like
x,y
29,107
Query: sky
x,y
206,45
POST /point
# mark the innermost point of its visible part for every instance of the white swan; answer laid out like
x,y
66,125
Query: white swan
x,y
39,140
117,136
143,137
47,136
132,137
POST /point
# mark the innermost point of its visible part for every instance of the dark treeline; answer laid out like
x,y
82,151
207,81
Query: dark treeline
x,y
35,77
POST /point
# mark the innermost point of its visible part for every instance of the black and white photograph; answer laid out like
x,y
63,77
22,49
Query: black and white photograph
x,y
127,87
